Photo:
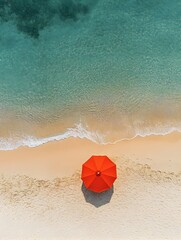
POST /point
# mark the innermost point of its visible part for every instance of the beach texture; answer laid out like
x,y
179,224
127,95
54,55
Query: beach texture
x,y
144,204
49,200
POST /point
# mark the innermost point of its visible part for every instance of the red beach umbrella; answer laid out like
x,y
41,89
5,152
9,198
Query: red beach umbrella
x,y
98,173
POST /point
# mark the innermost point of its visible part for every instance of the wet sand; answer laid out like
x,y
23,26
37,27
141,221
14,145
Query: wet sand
x,y
63,158
42,196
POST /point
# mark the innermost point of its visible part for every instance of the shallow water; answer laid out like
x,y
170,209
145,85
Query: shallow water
x,y
113,66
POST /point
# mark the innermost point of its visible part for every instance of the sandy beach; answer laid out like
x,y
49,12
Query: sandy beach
x,y
81,78
42,196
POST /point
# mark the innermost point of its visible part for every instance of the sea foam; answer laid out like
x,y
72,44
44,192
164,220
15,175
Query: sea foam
x,y
30,141
81,132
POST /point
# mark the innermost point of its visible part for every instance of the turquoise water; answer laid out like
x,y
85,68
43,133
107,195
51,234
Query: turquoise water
x,y
112,67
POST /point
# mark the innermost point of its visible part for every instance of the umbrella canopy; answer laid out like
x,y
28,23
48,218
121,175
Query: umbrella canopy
x,y
98,173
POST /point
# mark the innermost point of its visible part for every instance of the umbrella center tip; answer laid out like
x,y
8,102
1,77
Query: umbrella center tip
x,y
98,173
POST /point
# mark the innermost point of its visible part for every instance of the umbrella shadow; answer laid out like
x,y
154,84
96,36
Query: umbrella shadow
x,y
97,199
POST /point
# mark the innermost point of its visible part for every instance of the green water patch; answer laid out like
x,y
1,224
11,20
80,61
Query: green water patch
x,y
31,16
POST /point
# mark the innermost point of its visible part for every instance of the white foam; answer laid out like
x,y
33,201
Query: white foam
x,y
79,131
150,132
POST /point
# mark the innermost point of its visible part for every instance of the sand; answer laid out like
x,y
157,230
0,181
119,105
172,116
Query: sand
x,y
63,158
42,196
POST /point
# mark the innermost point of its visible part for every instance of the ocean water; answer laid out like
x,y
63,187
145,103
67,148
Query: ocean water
x,y
105,70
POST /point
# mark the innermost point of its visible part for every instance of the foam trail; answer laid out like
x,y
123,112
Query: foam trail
x,y
79,131
150,132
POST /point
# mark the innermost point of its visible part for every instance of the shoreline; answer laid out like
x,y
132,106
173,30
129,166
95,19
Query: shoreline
x,y
42,195
63,158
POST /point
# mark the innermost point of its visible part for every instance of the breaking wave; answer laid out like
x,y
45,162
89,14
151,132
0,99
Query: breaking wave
x,y
81,132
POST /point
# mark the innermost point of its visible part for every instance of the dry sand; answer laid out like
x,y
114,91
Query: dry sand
x,y
42,196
